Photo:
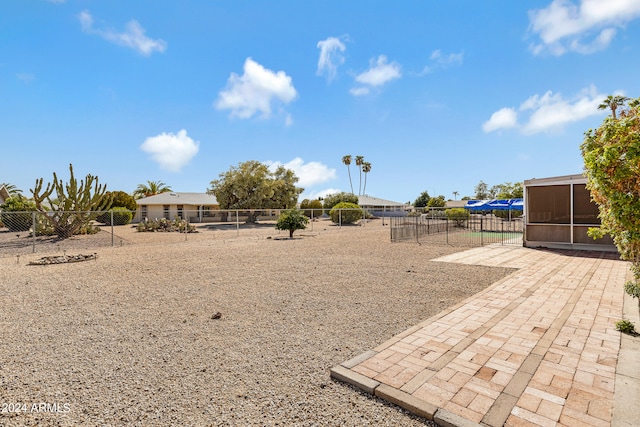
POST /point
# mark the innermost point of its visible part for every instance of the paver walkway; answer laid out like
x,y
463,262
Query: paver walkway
x,y
539,347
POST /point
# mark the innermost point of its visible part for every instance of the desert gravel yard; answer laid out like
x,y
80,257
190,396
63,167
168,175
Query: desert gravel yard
x,y
218,330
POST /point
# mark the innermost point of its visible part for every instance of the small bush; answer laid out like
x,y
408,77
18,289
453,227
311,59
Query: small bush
x,y
292,220
339,214
121,216
625,326
457,215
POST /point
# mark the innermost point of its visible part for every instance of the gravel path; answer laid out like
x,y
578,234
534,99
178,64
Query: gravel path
x,y
131,338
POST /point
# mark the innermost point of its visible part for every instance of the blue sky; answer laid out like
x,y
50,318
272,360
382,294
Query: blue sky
x,y
435,95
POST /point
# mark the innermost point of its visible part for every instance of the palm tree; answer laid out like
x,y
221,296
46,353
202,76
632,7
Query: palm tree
x,y
455,195
366,168
153,188
347,161
359,161
613,102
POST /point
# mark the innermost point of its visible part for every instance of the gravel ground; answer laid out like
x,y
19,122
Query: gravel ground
x,y
132,337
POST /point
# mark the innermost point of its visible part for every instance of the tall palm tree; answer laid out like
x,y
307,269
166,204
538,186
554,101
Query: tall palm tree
x,y
347,161
613,102
359,161
153,188
366,168
455,195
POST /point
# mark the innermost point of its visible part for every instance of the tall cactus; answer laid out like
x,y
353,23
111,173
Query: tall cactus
x,y
74,206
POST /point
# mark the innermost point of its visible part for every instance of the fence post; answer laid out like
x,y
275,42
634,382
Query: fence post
x,y
112,244
340,218
447,229
33,234
237,224
481,233
417,236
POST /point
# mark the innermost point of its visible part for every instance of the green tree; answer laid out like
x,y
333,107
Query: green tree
x,y
509,190
151,188
482,191
251,185
292,220
311,208
122,199
437,202
333,199
457,215
422,200
611,156
455,195
347,161
74,206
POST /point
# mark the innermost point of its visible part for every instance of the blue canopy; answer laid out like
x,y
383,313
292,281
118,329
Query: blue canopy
x,y
490,205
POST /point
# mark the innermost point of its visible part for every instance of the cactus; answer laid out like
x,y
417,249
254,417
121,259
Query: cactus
x,y
74,206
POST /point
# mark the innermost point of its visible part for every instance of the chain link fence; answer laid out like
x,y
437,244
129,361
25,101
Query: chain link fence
x,y
37,232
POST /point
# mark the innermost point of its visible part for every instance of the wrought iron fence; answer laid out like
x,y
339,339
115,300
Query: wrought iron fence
x,y
436,227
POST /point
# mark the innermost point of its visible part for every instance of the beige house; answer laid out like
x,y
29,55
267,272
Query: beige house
x,y
381,207
196,207
559,212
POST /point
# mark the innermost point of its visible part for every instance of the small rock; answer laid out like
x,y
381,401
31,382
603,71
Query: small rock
x,y
216,315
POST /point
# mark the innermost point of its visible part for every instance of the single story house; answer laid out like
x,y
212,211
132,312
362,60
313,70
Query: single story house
x,y
381,207
196,207
559,211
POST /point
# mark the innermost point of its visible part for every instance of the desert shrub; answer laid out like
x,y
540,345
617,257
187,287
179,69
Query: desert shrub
x,y
505,214
457,215
121,216
333,199
311,208
17,213
292,220
166,225
414,214
345,213
625,326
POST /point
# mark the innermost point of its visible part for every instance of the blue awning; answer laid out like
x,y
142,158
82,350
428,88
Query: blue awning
x,y
500,205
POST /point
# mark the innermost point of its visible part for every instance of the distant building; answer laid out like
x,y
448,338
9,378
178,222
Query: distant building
x,y
196,207
381,207
558,213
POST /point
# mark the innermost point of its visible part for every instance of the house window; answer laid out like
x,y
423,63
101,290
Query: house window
x,y
180,209
143,212
165,211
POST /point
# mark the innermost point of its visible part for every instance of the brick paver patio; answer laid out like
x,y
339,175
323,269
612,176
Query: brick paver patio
x,y
538,348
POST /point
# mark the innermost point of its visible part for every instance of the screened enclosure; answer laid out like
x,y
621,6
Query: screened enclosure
x,y
559,212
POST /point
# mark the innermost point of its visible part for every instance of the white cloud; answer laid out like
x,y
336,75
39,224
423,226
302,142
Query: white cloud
x,y
359,91
26,77
331,56
313,195
311,173
443,61
379,72
585,27
56,1
133,36
255,90
171,151
547,112
504,118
